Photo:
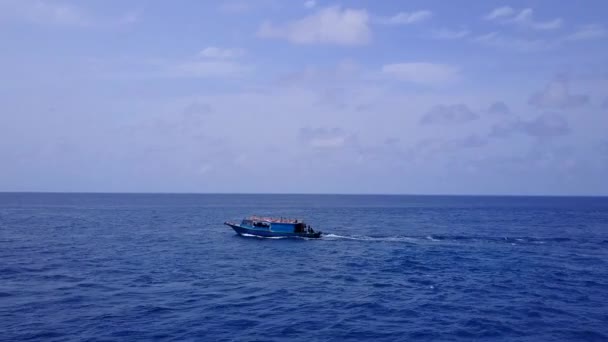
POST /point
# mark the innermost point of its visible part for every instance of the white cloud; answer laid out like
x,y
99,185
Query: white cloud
x,y
211,62
331,25
405,18
500,12
494,39
323,138
421,72
588,32
310,4
525,18
557,95
514,43
221,53
40,12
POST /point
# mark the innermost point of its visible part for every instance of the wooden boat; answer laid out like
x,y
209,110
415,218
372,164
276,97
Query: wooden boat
x,y
273,227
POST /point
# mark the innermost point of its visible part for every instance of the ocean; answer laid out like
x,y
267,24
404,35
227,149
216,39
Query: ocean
x,y
163,267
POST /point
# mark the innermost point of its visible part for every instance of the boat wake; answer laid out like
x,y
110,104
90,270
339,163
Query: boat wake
x,y
370,238
433,239
451,239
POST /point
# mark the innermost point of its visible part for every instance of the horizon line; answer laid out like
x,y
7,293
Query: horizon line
x,y
289,193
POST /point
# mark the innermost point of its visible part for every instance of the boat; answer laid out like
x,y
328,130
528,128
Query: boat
x,y
274,227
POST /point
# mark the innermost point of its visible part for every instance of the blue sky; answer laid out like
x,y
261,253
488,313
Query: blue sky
x,y
426,97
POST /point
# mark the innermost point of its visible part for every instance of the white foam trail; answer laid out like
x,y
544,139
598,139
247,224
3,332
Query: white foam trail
x,y
370,238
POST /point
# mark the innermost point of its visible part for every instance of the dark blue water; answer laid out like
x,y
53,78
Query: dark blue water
x,y
391,268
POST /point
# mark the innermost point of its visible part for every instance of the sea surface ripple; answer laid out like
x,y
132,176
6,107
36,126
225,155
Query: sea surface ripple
x,y
107,267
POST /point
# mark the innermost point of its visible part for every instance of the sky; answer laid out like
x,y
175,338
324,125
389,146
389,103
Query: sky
x,y
277,96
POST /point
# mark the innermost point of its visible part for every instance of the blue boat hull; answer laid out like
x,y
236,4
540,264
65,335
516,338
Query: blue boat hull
x,y
268,233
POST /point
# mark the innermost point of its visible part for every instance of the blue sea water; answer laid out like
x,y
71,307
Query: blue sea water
x,y
135,267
